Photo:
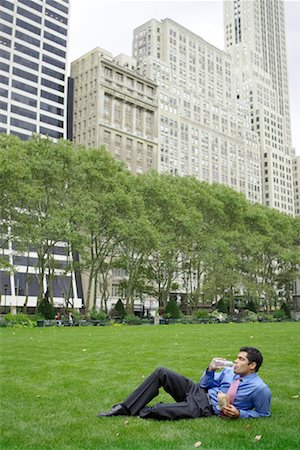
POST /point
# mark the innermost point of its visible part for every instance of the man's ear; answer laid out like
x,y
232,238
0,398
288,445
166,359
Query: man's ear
x,y
253,366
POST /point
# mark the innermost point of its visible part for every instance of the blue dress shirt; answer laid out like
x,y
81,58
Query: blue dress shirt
x,y
253,397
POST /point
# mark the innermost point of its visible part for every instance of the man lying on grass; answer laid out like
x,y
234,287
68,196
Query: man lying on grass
x,y
236,392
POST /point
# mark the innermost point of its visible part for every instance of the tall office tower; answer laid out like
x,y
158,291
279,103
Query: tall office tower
x,y
33,49
115,106
297,185
255,38
33,45
204,130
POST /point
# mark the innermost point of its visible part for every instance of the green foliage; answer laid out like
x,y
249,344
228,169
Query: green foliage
x,y
251,306
19,320
201,313
46,309
131,319
222,307
98,315
119,310
285,308
160,226
264,317
249,316
279,314
172,310
220,316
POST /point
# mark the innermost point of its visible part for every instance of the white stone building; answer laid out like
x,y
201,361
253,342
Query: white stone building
x,y
255,39
204,131
297,185
117,107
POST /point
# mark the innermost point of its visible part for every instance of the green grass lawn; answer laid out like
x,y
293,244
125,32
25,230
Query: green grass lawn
x,y
55,380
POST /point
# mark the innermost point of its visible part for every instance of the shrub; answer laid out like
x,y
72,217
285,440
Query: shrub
x,y
279,314
285,308
118,311
222,307
251,306
264,317
218,315
201,314
131,319
19,320
250,316
76,314
98,315
46,309
172,310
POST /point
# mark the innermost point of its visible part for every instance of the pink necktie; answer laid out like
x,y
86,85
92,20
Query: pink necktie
x,y
232,390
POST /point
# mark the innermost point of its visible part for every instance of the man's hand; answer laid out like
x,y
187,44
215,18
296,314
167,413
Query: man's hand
x,y
231,411
213,366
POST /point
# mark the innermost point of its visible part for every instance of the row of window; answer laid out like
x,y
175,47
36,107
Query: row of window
x,y
35,54
31,77
27,284
25,112
33,29
39,8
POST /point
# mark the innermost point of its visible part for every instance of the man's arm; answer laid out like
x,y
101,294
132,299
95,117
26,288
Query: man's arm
x,y
210,378
262,403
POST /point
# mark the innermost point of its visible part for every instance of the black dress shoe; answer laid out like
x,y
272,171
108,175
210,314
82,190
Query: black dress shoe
x,y
116,410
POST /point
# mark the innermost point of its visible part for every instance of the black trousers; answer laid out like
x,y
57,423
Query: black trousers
x,y
190,399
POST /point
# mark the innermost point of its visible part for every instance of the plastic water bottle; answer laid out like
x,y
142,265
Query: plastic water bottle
x,y
222,363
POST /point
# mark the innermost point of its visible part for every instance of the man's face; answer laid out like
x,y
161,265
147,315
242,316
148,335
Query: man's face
x,y
242,365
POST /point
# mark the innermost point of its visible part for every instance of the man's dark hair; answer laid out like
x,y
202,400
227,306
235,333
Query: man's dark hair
x,y
254,355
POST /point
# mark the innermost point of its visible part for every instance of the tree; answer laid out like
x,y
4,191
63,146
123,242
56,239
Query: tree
x,y
45,308
168,215
172,309
120,310
136,237
98,199
39,177
14,179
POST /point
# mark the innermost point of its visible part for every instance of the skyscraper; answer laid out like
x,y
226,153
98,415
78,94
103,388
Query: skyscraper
x,y
203,129
33,45
297,185
255,39
33,51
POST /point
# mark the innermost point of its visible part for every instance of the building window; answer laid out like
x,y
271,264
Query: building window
x,y
51,37
23,99
138,121
23,112
27,38
117,112
129,144
28,51
52,73
22,124
128,116
119,76
107,108
118,145
140,86
149,124
55,27
28,27
23,74
106,138
29,15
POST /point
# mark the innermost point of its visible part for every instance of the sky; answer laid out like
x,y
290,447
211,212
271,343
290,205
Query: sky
x,y
110,25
